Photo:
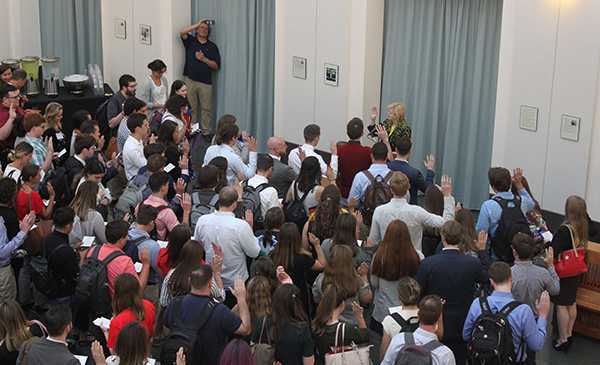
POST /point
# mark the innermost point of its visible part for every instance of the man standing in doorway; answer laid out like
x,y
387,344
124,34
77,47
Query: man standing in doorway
x,y
202,56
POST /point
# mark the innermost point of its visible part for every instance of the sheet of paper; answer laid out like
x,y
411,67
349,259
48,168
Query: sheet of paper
x,y
138,267
33,227
151,361
46,202
195,128
102,322
163,244
395,309
82,359
169,167
359,243
88,241
62,152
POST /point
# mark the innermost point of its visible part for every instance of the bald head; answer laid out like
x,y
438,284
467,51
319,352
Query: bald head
x,y
276,146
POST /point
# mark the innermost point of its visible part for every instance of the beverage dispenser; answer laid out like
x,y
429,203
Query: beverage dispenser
x,y
31,65
14,64
50,68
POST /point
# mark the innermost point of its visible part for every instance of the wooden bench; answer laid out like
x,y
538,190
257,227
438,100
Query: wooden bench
x,y
588,295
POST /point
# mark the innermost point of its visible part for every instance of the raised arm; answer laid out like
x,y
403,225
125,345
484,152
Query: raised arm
x,y
183,32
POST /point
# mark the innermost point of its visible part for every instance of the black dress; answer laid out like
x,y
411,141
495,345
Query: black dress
x,y
10,357
60,142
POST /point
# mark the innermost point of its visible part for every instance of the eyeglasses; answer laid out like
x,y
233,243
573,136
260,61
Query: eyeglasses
x,y
132,86
93,148
13,97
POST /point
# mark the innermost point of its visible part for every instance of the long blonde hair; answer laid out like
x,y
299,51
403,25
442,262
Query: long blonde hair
x,y
13,325
258,297
52,110
576,217
340,271
85,199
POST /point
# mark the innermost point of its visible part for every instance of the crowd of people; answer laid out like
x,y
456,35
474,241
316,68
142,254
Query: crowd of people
x,y
104,232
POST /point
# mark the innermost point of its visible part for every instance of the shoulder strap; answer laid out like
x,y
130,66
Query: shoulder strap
x,y
139,240
409,338
572,239
95,252
28,345
296,193
203,317
51,253
112,256
261,332
214,200
369,175
161,208
398,318
432,345
262,187
388,176
509,307
177,316
485,305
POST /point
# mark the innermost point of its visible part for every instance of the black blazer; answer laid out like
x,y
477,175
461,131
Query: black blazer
x,y
452,276
414,177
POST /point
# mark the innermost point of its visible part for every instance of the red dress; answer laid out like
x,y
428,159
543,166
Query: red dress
x,y
127,316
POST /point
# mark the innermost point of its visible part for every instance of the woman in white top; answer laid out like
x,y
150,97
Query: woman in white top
x,y
94,171
155,89
88,221
20,156
175,108
241,147
409,293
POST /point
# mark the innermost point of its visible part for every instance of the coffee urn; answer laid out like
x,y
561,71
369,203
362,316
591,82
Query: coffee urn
x,y
50,68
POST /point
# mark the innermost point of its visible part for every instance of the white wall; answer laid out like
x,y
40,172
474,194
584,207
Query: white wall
x,y
165,17
549,58
20,29
341,32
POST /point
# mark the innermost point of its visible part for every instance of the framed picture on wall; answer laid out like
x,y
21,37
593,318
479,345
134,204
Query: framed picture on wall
x,y
331,74
145,34
120,29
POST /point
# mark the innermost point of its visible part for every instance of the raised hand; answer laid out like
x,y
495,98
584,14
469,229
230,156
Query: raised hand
x,y
180,187
126,217
114,161
245,136
429,162
249,217
314,240
98,353
12,112
359,219
481,242
252,144
370,242
446,186
351,204
363,270
301,154
543,305
183,162
180,357
333,148
457,208
100,143
374,114
239,290
329,173
382,133
50,190
185,145
186,202
357,309
516,178
549,259
217,261
145,256
27,222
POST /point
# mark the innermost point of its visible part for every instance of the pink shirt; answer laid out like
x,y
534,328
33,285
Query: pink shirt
x,y
119,265
166,219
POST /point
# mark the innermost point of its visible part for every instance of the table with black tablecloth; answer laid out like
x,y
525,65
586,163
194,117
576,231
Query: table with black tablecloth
x,y
70,103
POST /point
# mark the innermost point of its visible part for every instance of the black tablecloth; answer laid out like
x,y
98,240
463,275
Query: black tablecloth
x,y
71,103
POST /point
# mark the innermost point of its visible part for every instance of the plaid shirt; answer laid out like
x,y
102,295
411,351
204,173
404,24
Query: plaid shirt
x,y
40,151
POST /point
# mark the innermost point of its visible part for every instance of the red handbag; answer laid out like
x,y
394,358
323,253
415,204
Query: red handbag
x,y
572,262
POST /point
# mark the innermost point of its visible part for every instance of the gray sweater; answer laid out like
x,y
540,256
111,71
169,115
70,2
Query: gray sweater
x,y
39,351
93,225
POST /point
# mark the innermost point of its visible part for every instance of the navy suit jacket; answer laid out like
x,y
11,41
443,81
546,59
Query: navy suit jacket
x,y
414,177
452,276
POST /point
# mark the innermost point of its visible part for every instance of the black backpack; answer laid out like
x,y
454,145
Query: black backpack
x,y
200,207
251,201
413,354
154,233
101,116
185,335
43,278
92,286
491,338
131,248
512,221
294,209
59,180
408,325
378,193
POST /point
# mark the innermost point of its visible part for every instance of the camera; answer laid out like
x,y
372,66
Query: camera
x,y
210,22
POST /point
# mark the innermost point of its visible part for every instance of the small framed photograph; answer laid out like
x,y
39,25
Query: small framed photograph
x,y
120,28
331,74
145,34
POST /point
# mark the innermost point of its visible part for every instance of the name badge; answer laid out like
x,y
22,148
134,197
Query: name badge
x,y
60,135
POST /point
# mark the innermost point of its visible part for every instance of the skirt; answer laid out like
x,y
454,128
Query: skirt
x,y
568,290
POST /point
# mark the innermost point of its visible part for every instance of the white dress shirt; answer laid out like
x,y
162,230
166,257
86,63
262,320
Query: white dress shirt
x,y
268,196
414,216
233,160
440,356
236,239
309,150
133,156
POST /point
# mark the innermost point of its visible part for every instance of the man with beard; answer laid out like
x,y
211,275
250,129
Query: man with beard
x,y
114,112
282,176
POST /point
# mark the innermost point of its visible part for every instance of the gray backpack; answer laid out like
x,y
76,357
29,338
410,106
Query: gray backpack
x,y
200,208
131,197
413,354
